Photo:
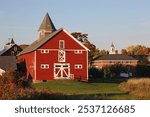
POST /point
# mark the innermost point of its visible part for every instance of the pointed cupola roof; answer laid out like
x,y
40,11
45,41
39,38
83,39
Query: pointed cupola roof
x,y
47,24
12,41
112,45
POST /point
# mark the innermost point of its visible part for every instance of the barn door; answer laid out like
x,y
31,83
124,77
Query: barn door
x,y
61,71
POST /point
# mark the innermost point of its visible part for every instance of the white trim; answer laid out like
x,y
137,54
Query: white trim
x,y
65,49
61,70
76,40
34,65
78,66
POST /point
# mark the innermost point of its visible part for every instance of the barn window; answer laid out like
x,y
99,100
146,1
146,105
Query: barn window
x,y
78,51
128,62
15,49
79,66
61,44
12,53
44,66
44,51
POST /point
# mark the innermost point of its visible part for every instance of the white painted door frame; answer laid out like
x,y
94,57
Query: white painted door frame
x,y
61,71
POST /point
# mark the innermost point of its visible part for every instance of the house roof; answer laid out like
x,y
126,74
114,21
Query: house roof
x,y
47,24
5,50
116,57
2,51
112,45
8,62
38,43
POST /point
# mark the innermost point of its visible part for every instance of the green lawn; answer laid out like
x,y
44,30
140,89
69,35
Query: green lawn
x,y
81,90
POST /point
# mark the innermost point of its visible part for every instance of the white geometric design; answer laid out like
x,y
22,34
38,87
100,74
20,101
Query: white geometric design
x,y
61,56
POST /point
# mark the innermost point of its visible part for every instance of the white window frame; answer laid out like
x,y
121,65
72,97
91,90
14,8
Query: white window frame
x,y
78,66
44,66
78,51
63,44
44,51
128,62
12,53
15,48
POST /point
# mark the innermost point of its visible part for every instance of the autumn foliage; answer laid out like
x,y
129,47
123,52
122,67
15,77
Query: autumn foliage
x,y
12,84
136,50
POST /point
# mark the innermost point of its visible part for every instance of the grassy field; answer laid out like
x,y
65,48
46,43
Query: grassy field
x,y
80,90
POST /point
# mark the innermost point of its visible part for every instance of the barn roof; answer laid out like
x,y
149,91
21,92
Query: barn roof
x,y
116,57
8,62
47,24
38,43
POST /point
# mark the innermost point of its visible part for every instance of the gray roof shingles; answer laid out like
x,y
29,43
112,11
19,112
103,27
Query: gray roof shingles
x,y
35,45
47,24
116,57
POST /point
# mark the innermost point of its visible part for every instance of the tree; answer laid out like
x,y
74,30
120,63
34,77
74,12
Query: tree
x,y
114,70
103,52
83,38
124,51
94,52
143,71
138,50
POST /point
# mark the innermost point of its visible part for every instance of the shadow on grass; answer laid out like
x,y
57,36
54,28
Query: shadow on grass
x,y
58,96
108,80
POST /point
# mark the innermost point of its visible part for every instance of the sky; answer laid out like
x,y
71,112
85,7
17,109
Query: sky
x,y
123,22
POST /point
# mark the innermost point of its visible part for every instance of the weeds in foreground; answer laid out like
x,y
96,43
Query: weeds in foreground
x,y
138,87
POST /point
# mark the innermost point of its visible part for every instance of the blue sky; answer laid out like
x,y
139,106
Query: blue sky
x,y
124,22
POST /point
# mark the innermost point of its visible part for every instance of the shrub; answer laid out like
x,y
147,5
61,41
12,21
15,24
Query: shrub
x,y
11,84
95,73
114,70
143,71
138,87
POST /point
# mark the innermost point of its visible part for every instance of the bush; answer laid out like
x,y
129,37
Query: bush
x,y
138,87
95,73
143,71
11,84
114,70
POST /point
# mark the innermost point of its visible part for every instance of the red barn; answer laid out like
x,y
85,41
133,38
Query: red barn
x,y
55,55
